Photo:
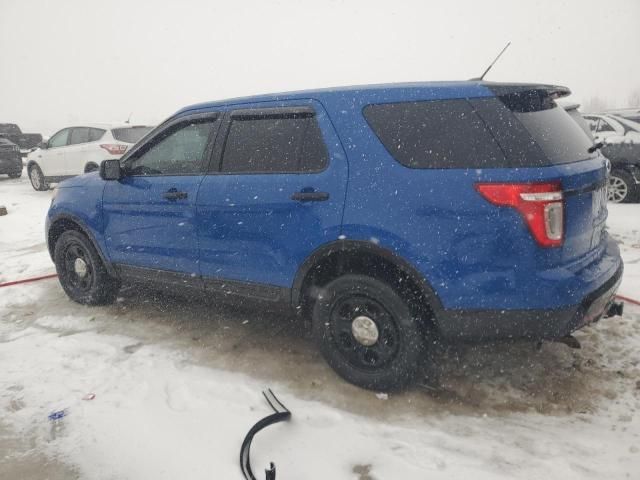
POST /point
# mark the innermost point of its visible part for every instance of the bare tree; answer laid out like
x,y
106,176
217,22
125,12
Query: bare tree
x,y
595,104
634,98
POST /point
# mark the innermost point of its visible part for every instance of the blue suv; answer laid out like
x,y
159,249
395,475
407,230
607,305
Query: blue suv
x,y
390,214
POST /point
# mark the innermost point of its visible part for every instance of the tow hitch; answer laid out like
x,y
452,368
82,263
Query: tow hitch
x,y
615,309
281,413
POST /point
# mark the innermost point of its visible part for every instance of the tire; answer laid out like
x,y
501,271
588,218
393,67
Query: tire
x,y
81,271
15,175
385,357
90,167
38,181
621,188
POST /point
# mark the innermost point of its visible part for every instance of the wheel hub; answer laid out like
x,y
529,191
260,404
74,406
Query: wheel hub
x,y
617,189
80,267
365,330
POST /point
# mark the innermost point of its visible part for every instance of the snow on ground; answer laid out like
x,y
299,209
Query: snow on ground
x,y
177,385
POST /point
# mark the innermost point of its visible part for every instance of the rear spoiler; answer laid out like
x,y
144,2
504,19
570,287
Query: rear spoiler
x,y
553,91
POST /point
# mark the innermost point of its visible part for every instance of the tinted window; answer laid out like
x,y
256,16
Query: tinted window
x,y
552,129
434,134
95,134
178,151
272,144
130,134
79,135
59,139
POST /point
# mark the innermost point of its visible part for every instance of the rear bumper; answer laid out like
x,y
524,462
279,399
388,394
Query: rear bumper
x,y
10,162
472,325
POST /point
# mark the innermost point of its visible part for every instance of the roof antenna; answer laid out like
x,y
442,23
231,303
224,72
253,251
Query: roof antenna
x,y
481,77
129,119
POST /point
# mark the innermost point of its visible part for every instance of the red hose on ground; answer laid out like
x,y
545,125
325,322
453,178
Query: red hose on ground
x,y
53,275
28,280
627,299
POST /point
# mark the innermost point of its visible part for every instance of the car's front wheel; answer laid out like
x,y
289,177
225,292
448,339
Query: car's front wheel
x,y
81,272
38,181
367,333
622,187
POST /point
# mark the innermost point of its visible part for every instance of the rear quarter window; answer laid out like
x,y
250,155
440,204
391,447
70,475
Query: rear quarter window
x,y
434,134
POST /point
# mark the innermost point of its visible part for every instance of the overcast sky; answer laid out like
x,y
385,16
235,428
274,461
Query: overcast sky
x,y
75,61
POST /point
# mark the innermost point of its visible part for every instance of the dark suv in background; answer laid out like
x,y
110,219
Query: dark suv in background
x,y
391,214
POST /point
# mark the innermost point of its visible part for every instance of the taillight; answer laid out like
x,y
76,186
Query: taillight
x,y
540,204
114,149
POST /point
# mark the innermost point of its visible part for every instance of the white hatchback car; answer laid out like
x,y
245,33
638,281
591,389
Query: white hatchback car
x,y
76,150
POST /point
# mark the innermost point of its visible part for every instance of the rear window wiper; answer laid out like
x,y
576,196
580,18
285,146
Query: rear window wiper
x,y
596,146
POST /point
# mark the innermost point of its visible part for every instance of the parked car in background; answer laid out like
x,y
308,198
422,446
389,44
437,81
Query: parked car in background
x,y
76,150
10,160
621,138
392,215
572,110
25,141
632,114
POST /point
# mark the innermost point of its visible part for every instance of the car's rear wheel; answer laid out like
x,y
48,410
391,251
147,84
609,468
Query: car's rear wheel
x,y
38,181
367,333
81,272
622,187
15,174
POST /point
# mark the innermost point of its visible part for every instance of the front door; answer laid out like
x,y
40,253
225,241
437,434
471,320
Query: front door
x,y
274,195
149,214
52,159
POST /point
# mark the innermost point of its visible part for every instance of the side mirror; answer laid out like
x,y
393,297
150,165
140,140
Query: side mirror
x,y
43,145
110,170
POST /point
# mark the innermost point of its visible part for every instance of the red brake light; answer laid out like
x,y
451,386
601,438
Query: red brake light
x,y
540,204
114,149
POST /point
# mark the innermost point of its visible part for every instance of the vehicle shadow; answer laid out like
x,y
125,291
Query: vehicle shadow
x,y
274,345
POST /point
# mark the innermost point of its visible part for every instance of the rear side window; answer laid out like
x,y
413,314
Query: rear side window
x,y
268,141
434,134
95,134
130,134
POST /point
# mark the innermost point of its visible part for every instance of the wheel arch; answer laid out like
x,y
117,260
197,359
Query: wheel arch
x,y
345,256
64,222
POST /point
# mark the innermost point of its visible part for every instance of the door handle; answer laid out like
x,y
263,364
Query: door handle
x,y
310,196
174,194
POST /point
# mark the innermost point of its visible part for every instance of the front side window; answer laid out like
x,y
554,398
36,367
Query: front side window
x,y
179,151
59,139
274,143
79,135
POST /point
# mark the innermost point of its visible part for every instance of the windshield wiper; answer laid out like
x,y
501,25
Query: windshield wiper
x,y
595,147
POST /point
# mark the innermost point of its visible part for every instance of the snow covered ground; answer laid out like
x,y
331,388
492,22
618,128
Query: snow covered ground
x,y
177,385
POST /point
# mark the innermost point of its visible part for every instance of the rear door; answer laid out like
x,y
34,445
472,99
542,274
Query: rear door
x,y
274,194
149,215
76,151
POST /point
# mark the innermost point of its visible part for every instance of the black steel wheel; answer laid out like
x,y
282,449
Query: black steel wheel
x,y
81,271
367,333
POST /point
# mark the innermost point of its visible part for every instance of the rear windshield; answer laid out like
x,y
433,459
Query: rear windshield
x,y
553,130
9,129
130,134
